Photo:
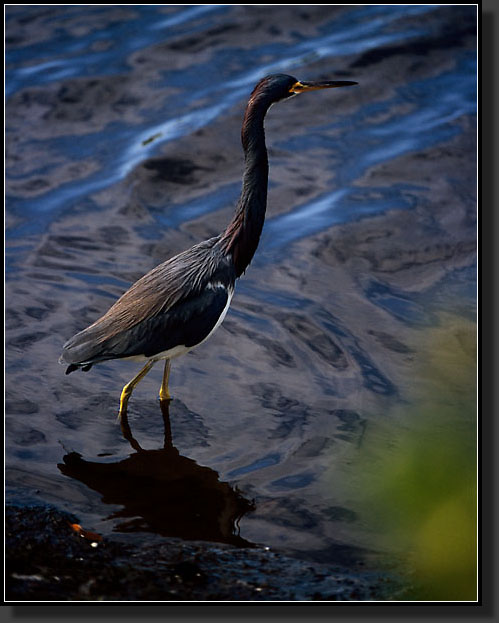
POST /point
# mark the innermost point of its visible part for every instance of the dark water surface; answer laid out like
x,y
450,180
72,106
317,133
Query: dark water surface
x,y
123,149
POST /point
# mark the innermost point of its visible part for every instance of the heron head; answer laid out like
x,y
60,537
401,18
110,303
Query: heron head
x,y
278,87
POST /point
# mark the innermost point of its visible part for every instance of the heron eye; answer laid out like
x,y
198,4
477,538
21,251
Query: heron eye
x,y
297,87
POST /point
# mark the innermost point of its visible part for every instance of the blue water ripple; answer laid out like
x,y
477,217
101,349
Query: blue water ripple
x,y
266,461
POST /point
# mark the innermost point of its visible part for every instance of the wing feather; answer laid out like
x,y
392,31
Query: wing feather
x,y
166,307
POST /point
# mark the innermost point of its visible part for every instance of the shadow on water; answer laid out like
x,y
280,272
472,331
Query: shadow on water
x,y
163,492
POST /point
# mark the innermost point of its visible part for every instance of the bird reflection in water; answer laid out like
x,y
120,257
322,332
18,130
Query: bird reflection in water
x,y
163,492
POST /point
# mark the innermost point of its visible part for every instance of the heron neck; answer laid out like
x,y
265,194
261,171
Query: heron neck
x,y
241,237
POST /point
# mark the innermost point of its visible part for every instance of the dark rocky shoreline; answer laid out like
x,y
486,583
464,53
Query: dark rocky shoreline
x,y
48,560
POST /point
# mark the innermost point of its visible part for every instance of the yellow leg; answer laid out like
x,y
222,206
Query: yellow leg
x,y
164,394
129,387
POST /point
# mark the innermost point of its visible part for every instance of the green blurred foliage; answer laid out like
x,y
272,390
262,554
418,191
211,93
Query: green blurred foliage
x,y
414,481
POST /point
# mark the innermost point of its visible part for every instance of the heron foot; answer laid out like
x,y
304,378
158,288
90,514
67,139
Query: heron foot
x,y
125,395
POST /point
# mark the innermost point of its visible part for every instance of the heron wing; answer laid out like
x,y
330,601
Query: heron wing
x,y
175,292
186,323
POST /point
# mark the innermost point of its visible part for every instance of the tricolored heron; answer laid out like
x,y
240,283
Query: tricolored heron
x,y
181,302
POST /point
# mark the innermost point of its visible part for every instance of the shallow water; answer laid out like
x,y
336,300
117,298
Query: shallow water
x,y
123,149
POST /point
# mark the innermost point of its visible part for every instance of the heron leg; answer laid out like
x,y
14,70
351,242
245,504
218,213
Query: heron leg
x,y
129,387
164,394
